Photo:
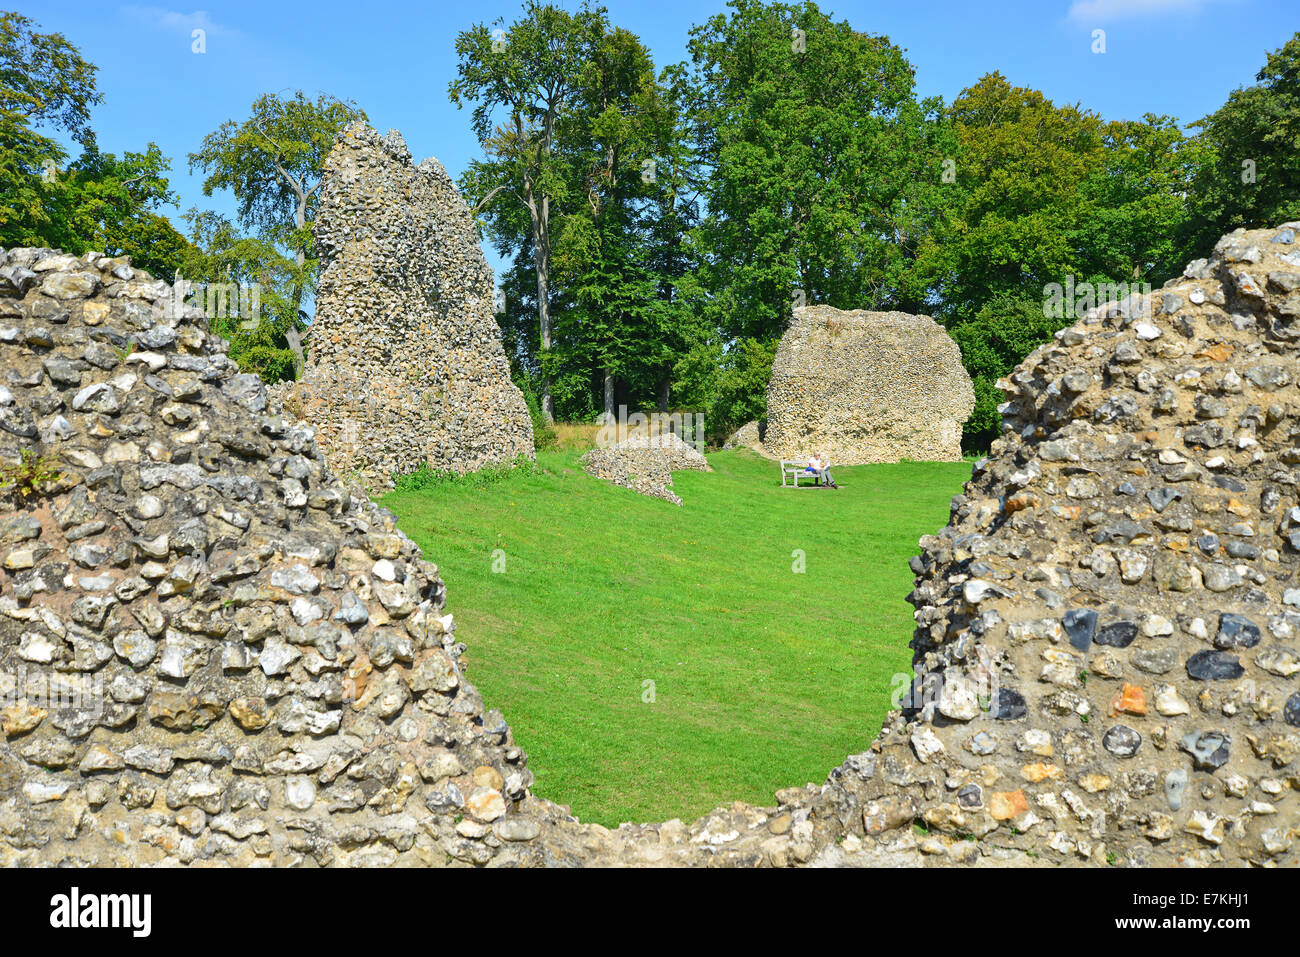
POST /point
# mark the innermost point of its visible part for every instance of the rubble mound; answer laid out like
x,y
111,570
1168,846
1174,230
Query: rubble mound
x,y
748,436
645,463
867,387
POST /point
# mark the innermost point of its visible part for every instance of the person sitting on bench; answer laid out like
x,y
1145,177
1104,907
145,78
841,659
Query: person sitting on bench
x,y
819,466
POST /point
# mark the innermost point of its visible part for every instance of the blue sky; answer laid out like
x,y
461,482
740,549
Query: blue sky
x,y
1180,57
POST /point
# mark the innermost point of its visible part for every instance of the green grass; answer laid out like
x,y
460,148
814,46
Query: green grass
x,y
763,678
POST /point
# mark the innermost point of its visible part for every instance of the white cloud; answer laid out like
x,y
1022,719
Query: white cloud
x,y
1096,11
173,20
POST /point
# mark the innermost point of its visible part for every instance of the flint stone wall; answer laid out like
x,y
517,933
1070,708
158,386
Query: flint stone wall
x,y
750,436
405,363
210,650
1121,570
866,387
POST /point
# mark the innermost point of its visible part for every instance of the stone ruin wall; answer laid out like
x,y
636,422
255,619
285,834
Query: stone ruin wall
x,y
405,363
866,387
213,652
272,674
1120,576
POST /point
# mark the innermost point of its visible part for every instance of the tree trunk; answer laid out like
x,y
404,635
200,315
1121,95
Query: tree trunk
x,y
609,395
300,257
663,393
538,217
542,261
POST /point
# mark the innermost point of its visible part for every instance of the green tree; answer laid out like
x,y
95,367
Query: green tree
x,y
99,201
1017,203
618,255
1135,207
44,83
821,170
1042,193
112,205
1020,166
44,79
523,83
672,252
272,162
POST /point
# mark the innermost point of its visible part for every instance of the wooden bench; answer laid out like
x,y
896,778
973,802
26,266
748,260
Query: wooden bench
x,y
795,470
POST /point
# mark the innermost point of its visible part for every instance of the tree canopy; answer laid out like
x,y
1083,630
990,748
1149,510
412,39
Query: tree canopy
x,y
821,170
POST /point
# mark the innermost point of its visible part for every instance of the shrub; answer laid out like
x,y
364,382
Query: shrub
x,y
728,385
742,385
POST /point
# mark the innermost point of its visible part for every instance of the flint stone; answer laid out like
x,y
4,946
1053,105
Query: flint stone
x,y
1236,631
1121,740
1214,666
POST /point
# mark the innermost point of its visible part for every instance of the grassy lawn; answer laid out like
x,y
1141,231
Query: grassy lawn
x,y
762,677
